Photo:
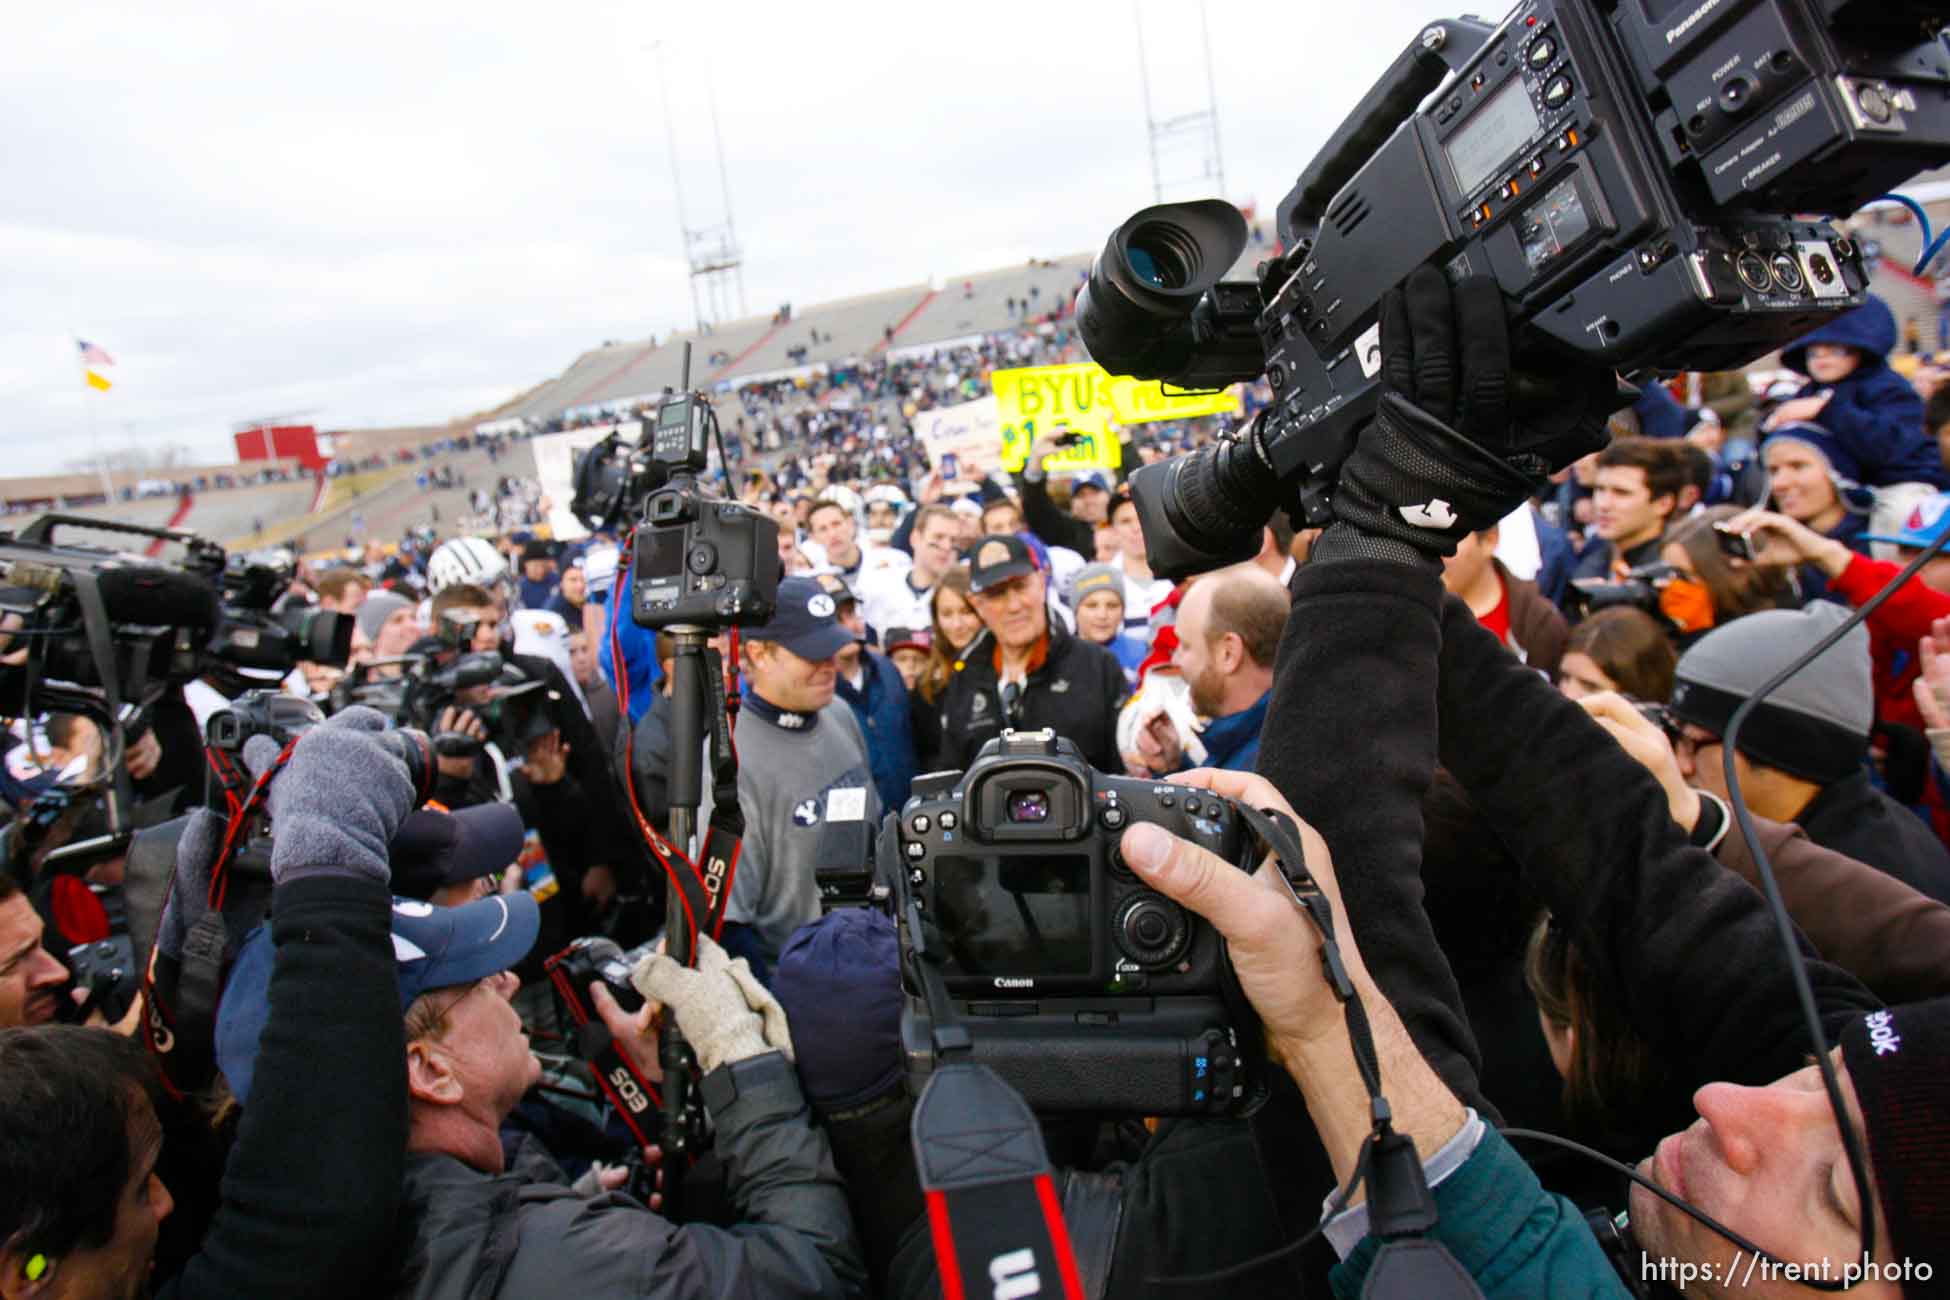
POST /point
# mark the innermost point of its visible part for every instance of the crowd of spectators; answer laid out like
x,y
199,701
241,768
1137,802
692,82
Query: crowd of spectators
x,y
1503,736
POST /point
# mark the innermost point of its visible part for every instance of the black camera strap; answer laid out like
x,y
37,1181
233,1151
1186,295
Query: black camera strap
x,y
727,826
993,1211
1401,1207
985,1174
635,1098
102,648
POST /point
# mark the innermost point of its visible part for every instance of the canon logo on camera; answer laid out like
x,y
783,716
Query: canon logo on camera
x,y
1006,982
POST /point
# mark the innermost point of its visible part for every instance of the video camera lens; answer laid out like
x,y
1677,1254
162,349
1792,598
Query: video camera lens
x,y
324,636
1135,312
1028,806
1163,256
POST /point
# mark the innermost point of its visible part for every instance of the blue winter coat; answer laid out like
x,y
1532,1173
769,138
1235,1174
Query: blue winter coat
x,y
1660,414
880,705
639,646
1874,414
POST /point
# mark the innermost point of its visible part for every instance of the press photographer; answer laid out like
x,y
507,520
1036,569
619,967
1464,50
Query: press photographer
x,y
310,1188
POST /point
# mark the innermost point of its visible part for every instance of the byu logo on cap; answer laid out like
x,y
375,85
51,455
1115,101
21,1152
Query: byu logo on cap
x,y
820,606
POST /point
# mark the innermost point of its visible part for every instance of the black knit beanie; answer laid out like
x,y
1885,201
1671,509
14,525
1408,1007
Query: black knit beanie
x,y
1899,1061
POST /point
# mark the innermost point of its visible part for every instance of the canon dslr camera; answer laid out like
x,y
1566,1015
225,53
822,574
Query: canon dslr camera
x,y
1080,986
700,560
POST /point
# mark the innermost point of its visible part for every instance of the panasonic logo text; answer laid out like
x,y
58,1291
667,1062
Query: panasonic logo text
x,y
1691,21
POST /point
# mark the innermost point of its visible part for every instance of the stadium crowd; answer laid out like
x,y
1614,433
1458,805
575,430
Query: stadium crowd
x,y
1503,734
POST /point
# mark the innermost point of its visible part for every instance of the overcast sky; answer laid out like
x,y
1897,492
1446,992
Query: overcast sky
x,y
405,212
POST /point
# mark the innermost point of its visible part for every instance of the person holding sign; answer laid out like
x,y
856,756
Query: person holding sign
x,y
1077,529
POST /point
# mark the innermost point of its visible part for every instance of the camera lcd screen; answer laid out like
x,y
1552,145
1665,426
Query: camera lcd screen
x,y
1022,916
1492,133
1553,223
659,553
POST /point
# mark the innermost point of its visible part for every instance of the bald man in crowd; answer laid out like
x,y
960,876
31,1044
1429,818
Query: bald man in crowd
x,y
1229,626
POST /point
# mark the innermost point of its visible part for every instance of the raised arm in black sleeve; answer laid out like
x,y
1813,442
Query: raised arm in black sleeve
x,y
313,1183
1056,527
1687,946
1350,740
608,837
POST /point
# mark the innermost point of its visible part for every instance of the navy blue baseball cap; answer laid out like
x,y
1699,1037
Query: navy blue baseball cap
x,y
435,948
839,981
803,621
434,847
995,559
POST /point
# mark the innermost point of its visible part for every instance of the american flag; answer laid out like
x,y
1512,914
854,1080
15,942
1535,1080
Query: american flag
x,y
93,355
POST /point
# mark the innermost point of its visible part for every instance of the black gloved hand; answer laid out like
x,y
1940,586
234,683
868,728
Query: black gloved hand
x,y
1449,452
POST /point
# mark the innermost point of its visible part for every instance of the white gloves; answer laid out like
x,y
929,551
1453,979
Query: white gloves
x,y
726,1015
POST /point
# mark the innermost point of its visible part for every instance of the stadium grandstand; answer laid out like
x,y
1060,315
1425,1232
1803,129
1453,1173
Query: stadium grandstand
x,y
791,350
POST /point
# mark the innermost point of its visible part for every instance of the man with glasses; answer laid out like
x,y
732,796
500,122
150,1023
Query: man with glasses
x,y
1027,671
1803,752
516,1227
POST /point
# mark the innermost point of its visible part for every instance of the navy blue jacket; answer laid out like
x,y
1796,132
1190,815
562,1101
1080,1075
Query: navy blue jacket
x,y
1232,742
1659,412
1874,414
880,705
1556,558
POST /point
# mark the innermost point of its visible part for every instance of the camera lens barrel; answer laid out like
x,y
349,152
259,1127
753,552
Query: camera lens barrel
x,y
1204,509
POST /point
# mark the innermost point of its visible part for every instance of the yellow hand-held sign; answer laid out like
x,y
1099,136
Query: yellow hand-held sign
x,y
1086,399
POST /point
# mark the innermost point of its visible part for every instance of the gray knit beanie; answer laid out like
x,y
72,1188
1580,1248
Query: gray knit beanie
x,y
1096,577
376,608
1816,724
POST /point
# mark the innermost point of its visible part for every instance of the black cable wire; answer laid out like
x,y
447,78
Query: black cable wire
x,y
1852,1145
1677,1202
724,461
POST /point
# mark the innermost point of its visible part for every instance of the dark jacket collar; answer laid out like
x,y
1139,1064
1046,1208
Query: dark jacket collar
x,y
1226,737
783,719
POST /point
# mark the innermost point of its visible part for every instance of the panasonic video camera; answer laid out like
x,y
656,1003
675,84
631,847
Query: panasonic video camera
x,y
1628,170
1080,986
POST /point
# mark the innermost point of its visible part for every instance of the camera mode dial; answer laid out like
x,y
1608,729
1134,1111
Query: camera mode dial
x,y
1151,930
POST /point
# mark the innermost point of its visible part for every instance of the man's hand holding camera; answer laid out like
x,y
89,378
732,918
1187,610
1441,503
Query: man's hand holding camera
x,y
1461,436
454,720
725,1014
1637,736
1275,952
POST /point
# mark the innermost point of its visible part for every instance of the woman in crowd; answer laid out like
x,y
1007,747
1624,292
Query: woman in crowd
x,y
956,624
1716,587
956,627
1619,649
1808,485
